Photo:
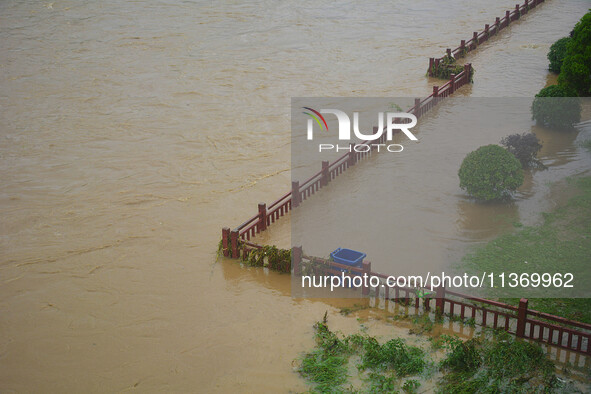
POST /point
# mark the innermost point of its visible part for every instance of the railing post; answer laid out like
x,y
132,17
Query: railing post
x,y
486,29
467,71
431,63
526,6
521,318
225,241
463,46
517,13
366,265
296,257
435,93
234,244
417,111
352,154
498,25
475,39
262,224
295,194
449,53
440,300
325,174
452,83
508,17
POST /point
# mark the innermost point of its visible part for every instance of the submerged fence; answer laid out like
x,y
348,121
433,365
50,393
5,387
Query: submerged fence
x,y
483,36
521,321
518,320
231,239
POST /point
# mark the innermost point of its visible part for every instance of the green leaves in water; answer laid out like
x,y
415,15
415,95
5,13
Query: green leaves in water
x,y
380,365
502,364
494,363
270,257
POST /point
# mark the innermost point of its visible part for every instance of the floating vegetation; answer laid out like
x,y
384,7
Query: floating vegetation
x,y
381,367
502,364
494,363
268,256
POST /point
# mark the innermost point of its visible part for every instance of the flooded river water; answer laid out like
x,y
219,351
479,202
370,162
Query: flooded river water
x,y
131,132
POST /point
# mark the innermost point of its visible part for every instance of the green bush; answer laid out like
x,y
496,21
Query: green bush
x,y
557,53
575,73
490,173
555,107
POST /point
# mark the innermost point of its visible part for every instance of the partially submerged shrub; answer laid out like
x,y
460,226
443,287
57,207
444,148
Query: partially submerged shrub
x,y
557,54
447,67
524,147
490,173
555,107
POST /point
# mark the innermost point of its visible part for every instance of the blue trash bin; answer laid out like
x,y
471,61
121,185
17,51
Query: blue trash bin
x,y
348,257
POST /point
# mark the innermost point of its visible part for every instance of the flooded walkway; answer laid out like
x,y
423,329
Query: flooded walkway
x,y
131,132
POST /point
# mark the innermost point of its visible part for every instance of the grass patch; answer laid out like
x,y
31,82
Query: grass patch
x,y
562,243
578,309
501,364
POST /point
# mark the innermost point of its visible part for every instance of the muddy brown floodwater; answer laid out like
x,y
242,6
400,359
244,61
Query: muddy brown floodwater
x,y
131,132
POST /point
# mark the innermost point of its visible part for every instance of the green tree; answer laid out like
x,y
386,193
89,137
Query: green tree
x,y
576,68
490,173
557,53
555,107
